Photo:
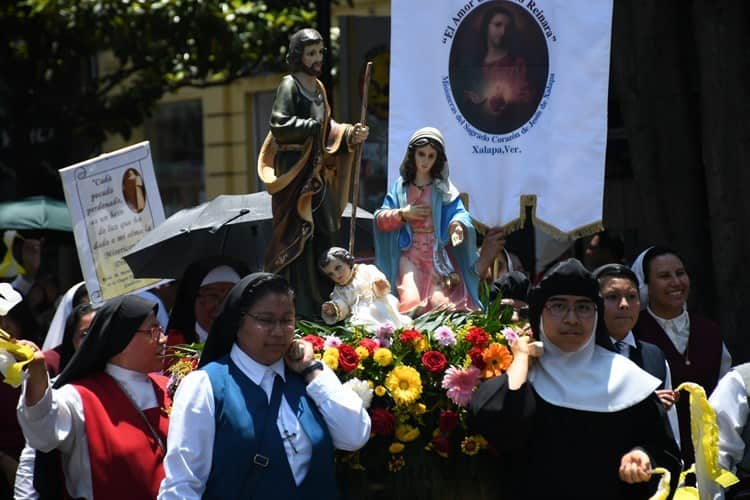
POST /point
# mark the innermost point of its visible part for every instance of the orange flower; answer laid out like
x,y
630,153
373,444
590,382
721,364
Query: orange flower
x,y
497,359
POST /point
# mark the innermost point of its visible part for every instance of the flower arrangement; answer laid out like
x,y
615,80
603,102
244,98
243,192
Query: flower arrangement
x,y
417,381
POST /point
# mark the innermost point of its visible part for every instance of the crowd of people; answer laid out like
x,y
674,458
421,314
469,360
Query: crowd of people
x,y
594,385
590,396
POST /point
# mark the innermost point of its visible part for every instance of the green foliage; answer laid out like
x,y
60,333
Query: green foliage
x,y
50,78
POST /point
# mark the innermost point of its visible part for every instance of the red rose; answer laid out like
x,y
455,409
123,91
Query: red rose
x,y
369,344
434,361
316,342
477,337
383,422
441,444
475,353
410,336
348,358
448,421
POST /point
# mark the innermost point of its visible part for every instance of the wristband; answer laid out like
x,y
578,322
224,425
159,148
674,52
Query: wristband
x,y
316,365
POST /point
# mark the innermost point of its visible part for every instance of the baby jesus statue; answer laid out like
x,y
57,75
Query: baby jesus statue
x,y
361,294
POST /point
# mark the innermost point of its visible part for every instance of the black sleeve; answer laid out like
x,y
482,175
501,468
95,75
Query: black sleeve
x,y
495,409
656,438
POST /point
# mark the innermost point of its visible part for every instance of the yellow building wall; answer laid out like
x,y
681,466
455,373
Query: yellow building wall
x,y
228,117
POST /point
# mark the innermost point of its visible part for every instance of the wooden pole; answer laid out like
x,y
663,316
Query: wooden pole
x,y
358,158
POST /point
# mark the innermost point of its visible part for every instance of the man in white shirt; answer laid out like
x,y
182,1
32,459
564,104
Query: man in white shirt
x,y
730,401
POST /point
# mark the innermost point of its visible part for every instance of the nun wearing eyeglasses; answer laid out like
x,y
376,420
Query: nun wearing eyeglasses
x,y
573,418
105,413
261,417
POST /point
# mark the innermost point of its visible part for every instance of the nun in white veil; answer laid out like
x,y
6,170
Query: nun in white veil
x,y
75,295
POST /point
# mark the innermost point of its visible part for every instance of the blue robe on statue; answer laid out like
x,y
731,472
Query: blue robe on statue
x,y
447,207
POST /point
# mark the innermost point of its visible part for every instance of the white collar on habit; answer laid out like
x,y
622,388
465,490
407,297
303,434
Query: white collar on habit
x,y
590,379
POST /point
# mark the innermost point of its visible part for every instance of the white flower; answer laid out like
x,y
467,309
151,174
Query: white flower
x,y
361,389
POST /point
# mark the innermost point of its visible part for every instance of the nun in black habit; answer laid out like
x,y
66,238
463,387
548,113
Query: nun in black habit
x,y
571,418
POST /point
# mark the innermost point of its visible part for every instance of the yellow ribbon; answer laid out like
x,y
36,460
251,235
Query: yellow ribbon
x,y
682,492
23,354
662,490
705,436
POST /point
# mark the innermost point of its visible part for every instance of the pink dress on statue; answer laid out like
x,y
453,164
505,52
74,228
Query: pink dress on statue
x,y
420,288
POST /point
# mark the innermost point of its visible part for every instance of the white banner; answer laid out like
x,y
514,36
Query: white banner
x,y
113,201
519,90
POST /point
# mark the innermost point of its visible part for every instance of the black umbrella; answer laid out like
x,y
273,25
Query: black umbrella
x,y
237,226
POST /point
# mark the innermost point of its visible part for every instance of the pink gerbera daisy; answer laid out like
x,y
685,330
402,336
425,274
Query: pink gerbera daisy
x,y
460,383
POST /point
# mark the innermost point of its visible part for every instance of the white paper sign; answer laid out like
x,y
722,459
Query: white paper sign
x,y
519,90
113,201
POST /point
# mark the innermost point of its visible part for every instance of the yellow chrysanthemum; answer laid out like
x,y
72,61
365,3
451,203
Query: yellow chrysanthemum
x,y
383,356
331,351
380,391
362,352
420,409
332,361
406,433
461,332
422,345
404,384
396,448
331,358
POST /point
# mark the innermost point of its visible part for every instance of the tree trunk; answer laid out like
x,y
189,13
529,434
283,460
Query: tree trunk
x,y
722,56
679,72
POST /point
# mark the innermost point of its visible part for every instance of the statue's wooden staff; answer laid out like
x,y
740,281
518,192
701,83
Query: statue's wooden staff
x,y
358,158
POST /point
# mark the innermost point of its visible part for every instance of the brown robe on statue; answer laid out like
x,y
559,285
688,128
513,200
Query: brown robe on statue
x,y
305,163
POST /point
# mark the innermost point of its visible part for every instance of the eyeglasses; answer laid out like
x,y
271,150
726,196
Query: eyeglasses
x,y
268,324
582,310
155,332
